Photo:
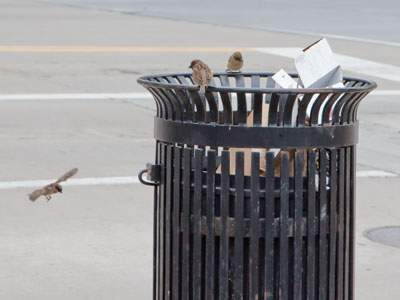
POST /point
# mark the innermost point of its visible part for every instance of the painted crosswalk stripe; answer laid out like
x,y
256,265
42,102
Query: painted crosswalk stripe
x,y
75,96
90,181
5,185
117,96
375,174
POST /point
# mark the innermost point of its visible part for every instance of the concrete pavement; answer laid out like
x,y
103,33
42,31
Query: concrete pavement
x,y
358,19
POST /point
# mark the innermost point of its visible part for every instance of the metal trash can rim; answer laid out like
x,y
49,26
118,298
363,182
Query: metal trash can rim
x,y
146,81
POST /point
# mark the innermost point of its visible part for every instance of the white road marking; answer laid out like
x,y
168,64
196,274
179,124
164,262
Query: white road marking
x,y
376,174
7,185
350,63
328,35
385,93
118,96
79,96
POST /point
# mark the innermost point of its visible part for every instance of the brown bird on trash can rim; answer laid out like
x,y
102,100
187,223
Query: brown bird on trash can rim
x,y
202,74
235,62
52,188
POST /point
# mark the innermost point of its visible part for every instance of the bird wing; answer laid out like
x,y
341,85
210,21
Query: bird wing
x,y
208,74
229,62
203,76
35,194
67,175
198,76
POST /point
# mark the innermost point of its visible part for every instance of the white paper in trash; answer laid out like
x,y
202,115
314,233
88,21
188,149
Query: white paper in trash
x,y
318,68
285,81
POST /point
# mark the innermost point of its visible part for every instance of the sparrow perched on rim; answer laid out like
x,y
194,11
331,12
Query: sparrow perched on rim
x,y
201,74
235,62
52,188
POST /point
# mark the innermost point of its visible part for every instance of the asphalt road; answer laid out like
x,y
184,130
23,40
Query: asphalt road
x,y
357,19
95,241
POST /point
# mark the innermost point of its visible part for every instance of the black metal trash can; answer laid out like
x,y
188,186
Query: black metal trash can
x,y
223,229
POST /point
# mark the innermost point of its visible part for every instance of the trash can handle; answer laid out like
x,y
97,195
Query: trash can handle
x,y
153,175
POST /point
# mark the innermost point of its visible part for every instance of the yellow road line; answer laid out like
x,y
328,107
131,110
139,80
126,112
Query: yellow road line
x,y
118,49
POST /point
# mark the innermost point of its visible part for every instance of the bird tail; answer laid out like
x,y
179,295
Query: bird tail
x,y
36,194
33,197
202,89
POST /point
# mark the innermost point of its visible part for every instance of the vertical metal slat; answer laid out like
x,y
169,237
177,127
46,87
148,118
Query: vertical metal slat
x,y
239,226
352,220
323,251
185,222
255,83
269,293
311,226
197,235
210,232
175,223
284,229
224,241
298,220
340,258
257,108
254,225
333,224
273,109
156,229
168,206
347,224
161,266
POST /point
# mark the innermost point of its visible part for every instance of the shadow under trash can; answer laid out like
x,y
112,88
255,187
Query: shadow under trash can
x,y
254,188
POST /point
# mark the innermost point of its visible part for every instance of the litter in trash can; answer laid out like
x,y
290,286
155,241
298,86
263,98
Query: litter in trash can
x,y
221,232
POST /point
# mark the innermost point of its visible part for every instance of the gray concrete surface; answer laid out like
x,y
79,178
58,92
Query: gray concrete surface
x,y
359,19
94,242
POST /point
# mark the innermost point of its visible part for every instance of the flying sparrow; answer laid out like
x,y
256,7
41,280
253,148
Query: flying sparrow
x,y
235,62
201,74
52,188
